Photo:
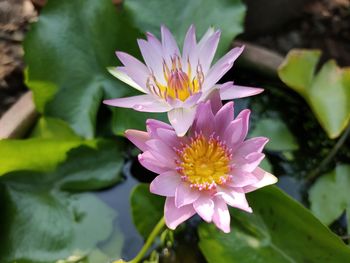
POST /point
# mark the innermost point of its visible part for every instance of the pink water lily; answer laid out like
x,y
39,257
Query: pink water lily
x,y
173,82
203,172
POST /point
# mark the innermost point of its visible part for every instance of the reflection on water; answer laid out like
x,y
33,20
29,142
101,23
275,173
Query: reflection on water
x,y
291,186
118,199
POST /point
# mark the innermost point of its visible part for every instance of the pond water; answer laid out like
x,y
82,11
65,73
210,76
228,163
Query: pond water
x,y
117,198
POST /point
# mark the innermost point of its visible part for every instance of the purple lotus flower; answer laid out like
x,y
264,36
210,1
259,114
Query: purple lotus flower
x,y
210,168
175,82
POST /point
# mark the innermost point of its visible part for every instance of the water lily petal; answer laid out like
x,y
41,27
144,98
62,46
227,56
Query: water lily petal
x,y
234,199
242,178
174,102
189,46
181,119
207,51
234,133
267,179
192,100
204,207
152,58
119,73
244,116
134,68
221,67
175,216
204,120
223,118
146,103
221,217
185,195
194,55
138,138
205,37
157,45
170,47
215,100
165,184
148,161
152,125
249,162
156,145
255,144
230,92
170,138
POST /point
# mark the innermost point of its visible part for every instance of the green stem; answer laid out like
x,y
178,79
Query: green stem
x,y
155,232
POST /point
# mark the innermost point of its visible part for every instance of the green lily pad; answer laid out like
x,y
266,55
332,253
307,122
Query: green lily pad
x,y
279,230
280,137
327,92
226,15
329,196
35,154
147,209
49,128
43,220
41,226
104,165
68,51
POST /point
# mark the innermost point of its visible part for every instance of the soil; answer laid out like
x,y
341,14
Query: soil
x,y
15,15
322,24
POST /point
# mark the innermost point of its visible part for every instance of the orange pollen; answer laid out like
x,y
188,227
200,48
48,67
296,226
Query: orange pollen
x,y
179,84
205,162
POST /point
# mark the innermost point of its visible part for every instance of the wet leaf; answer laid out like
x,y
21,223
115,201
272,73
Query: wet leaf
x,y
280,230
226,15
53,225
35,154
280,138
49,128
327,91
329,196
43,220
103,160
147,209
68,51
104,165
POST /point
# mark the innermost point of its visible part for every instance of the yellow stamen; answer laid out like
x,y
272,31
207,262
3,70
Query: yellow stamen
x,y
205,162
179,85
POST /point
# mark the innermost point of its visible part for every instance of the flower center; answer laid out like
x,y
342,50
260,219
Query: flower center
x,y
204,162
179,85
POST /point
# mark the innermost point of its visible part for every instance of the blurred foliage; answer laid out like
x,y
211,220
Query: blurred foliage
x,y
329,196
327,92
68,50
226,15
53,128
50,141
280,138
43,220
143,202
35,153
280,230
